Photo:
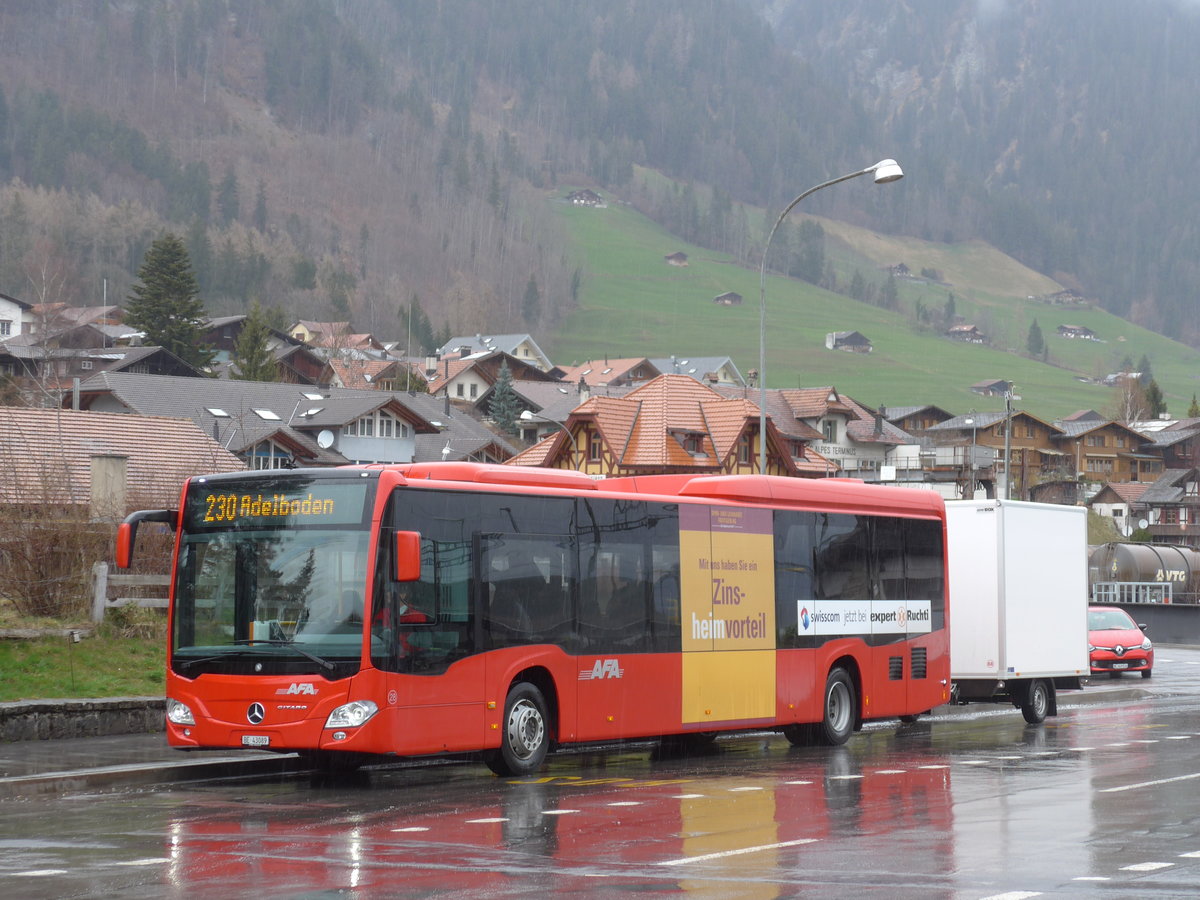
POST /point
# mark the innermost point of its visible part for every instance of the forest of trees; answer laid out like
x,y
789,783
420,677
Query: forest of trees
x,y
337,160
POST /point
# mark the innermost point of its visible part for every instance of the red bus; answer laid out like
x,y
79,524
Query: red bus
x,y
445,608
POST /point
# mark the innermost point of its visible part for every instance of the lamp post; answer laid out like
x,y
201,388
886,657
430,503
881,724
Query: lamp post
x,y
884,171
970,420
530,416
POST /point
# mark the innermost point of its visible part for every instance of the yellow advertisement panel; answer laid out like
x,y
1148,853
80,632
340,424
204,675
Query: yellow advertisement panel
x,y
728,614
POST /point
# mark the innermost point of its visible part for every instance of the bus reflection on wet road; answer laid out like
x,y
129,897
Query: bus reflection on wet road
x,y
974,804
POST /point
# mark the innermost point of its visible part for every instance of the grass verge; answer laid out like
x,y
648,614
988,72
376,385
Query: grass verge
x,y
105,665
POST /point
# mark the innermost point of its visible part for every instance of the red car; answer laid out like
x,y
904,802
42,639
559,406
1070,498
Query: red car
x,y
1116,643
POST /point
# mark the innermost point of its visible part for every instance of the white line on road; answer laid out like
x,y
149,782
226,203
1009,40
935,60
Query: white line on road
x,y
1147,867
725,853
1142,784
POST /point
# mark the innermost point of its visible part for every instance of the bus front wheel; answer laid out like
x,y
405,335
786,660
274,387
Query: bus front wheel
x,y
526,733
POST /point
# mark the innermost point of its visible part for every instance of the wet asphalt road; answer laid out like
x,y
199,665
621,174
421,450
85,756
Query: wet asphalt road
x,y
970,803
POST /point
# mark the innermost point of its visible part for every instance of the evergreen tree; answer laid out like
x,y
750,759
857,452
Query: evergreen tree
x,y
1194,409
251,358
1035,343
260,208
1154,400
165,304
889,297
948,312
531,303
505,405
227,198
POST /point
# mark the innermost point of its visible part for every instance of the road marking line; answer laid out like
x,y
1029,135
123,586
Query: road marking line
x,y
743,850
625,803
1143,741
39,873
797,782
890,772
486,821
973,762
1014,895
411,828
1142,784
1147,867
1179,737
1091,878
1195,854
845,777
155,861
933,767
1007,757
750,788
687,796
558,812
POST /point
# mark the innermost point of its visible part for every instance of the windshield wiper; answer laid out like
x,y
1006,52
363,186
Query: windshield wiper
x,y
323,663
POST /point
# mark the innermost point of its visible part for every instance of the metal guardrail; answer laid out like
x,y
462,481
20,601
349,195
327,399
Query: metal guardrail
x,y
1110,592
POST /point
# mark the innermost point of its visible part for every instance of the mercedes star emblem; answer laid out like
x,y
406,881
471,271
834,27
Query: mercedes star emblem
x,y
255,714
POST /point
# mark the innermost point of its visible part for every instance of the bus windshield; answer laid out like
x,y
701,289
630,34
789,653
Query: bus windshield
x,y
271,575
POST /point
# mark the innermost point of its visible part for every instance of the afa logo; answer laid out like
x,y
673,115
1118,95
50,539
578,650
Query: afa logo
x,y
805,621
604,668
298,688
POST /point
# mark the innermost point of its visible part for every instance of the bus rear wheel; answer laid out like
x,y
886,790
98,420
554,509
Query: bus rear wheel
x,y
838,710
525,740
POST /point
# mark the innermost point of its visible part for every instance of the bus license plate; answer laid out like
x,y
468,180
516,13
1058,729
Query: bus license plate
x,y
256,740
1120,665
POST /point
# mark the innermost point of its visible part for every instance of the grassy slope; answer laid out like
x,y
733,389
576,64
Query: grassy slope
x,y
633,304
105,666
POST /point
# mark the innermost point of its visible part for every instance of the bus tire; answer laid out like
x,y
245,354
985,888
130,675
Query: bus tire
x,y
798,735
838,711
525,733
1037,702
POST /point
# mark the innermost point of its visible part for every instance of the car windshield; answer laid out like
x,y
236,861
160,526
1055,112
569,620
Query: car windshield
x,y
1109,620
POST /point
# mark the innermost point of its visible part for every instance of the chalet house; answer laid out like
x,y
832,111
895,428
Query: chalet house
x,y
270,425
857,439
37,369
672,424
900,270
611,372
53,318
1104,451
113,462
1035,455
468,379
1122,501
1178,444
710,370
968,334
850,341
521,346
314,333
915,419
678,258
1172,505
729,298
296,361
15,316
585,197
992,388
366,374
1076,331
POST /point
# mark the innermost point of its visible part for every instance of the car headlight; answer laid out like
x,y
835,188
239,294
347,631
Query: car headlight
x,y
1146,645
179,713
351,715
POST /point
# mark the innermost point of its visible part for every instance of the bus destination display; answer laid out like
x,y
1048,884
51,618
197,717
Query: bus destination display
x,y
216,506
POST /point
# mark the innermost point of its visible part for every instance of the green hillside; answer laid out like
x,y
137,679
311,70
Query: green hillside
x,y
631,303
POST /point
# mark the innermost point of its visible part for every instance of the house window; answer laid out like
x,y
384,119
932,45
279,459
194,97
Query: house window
x,y
458,389
1095,440
366,427
386,426
85,365
744,449
1169,515
350,429
269,455
595,448
829,427
5,327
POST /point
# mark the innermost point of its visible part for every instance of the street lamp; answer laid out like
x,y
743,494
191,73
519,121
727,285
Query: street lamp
x,y
884,171
530,416
970,420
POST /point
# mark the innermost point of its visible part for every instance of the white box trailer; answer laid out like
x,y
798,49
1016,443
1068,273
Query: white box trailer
x,y
1018,602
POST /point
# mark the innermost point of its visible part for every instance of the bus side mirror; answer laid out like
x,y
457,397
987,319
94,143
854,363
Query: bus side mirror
x,y
408,556
127,531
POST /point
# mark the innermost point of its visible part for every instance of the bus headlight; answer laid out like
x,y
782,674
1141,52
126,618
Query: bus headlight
x,y
351,715
179,713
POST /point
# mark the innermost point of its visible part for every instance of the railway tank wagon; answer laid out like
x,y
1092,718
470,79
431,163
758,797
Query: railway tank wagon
x,y
1144,573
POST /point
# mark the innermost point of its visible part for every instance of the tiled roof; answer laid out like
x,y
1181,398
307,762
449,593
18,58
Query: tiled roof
x,y
604,371
864,428
46,454
1169,487
812,403
1129,491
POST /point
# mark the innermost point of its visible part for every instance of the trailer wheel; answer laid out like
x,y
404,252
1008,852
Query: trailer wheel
x,y
837,719
526,737
1037,702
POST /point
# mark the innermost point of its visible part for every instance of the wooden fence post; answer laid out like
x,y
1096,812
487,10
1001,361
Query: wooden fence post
x,y
99,591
